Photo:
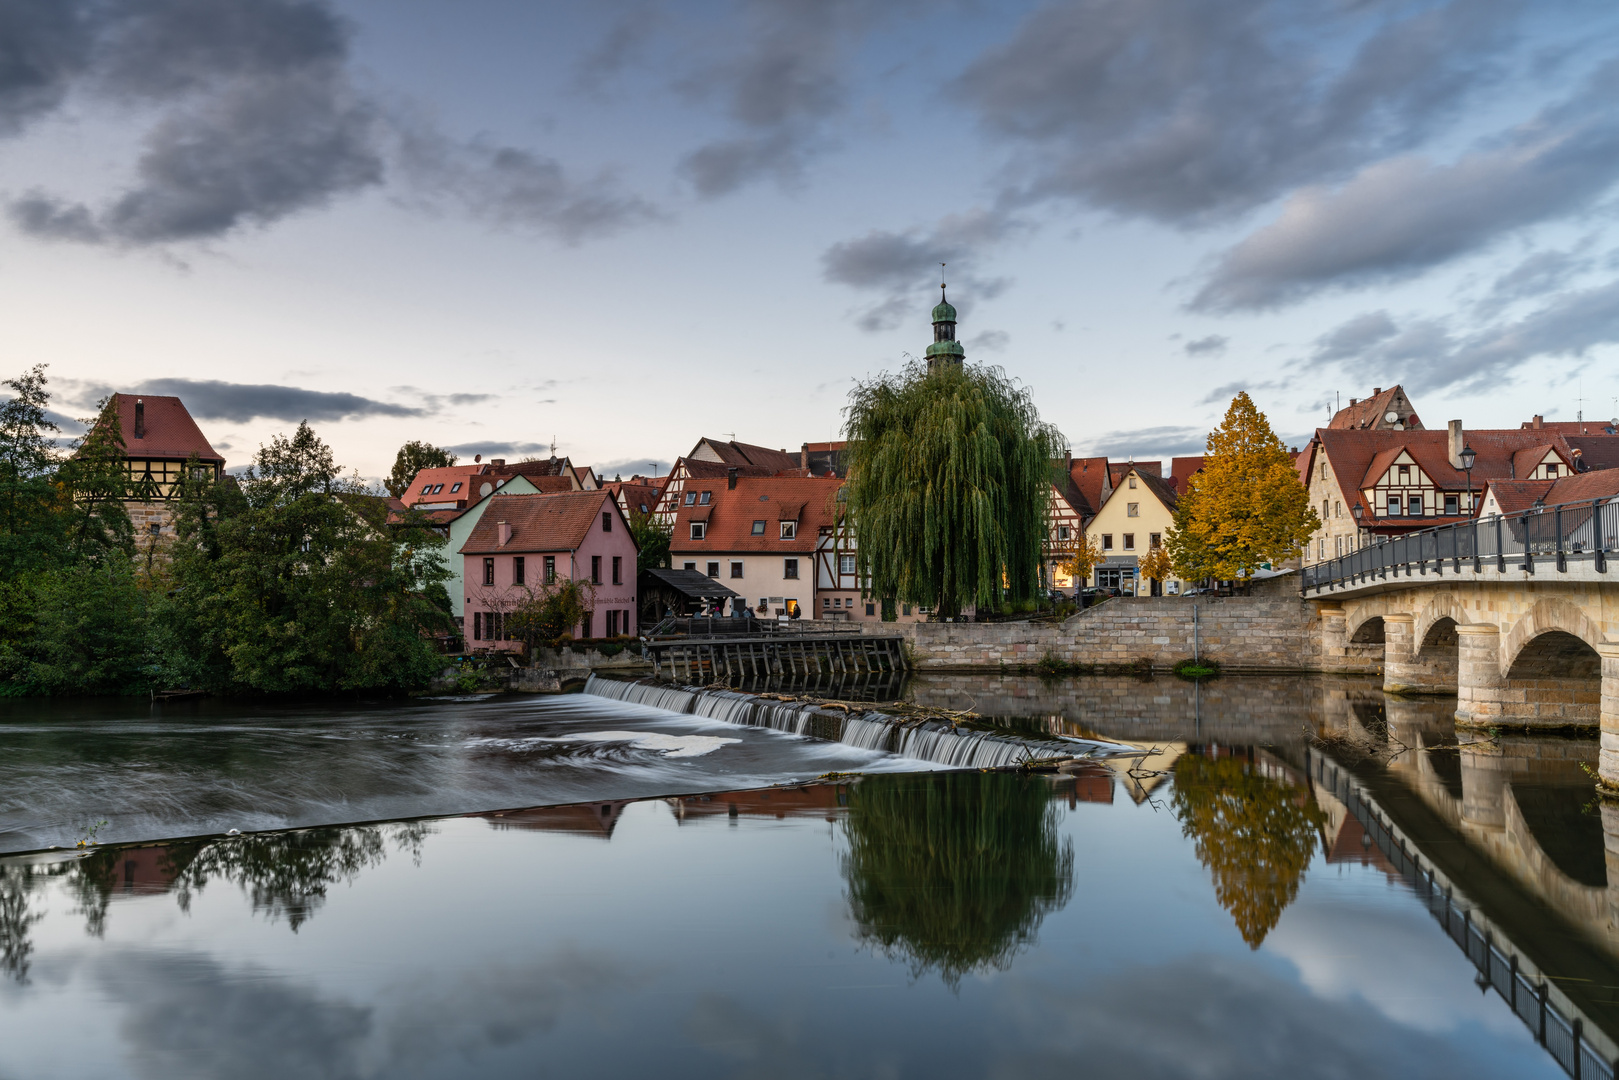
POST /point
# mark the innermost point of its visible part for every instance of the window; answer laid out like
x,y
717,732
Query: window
x,y
455,487
618,569
1154,541
595,569
759,527
489,571
689,566
691,498
736,569
584,624
1132,510
1063,532
1129,541
845,564
1453,505
871,609
789,529
1337,509
1405,474
1551,472
437,488
427,489
154,528
607,521
477,626
517,570
1321,548
905,609
789,568
550,569
1107,541
1323,509
1394,506
1323,470
698,529
1415,504
612,624
1132,482
1338,546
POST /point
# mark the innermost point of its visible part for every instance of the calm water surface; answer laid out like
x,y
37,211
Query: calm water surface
x,y
1227,907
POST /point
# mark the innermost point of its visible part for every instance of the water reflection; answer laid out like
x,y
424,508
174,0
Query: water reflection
x,y
953,873
1255,832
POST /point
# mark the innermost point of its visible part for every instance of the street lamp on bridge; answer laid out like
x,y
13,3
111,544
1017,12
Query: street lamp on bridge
x,y
1360,512
1467,455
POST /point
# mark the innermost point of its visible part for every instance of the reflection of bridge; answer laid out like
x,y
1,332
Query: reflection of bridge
x,y
1517,616
1559,1022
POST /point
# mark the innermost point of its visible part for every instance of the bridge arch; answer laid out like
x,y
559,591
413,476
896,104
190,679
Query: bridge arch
x,y
1368,631
1441,609
1548,615
1552,673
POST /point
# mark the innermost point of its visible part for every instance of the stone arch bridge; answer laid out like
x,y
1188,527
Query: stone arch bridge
x,y
1523,643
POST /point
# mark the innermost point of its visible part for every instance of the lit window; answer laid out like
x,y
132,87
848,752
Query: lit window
x,y
455,487
789,529
759,527
1132,510
698,529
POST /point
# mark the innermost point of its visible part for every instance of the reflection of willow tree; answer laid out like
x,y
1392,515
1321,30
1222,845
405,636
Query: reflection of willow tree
x,y
956,871
283,874
1255,835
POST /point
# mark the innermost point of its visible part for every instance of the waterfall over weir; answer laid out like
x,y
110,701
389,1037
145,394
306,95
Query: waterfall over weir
x,y
929,740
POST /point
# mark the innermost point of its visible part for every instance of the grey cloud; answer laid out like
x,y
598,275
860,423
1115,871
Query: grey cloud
x,y
469,399
1400,217
46,46
902,265
1187,112
1145,443
1223,394
779,86
1213,345
1427,354
1536,275
213,400
988,341
631,466
623,43
1355,336
493,448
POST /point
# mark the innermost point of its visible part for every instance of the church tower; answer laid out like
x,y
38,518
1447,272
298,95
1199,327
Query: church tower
x,y
945,348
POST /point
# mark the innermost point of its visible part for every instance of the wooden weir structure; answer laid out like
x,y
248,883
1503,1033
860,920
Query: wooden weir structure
x,y
701,650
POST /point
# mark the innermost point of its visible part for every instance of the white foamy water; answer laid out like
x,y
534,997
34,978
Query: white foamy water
x,y
675,746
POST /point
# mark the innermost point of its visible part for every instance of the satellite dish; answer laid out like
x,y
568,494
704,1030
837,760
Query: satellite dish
x,y
485,489
1391,417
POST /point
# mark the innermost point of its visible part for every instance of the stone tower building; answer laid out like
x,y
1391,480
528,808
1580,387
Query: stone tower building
x,y
945,348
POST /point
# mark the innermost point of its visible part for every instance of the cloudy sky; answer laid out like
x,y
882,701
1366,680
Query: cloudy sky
x,y
627,224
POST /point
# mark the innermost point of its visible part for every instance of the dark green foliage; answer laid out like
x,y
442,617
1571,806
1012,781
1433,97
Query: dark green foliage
x,y
543,615
954,872
651,542
1197,669
96,484
88,633
949,486
32,519
412,458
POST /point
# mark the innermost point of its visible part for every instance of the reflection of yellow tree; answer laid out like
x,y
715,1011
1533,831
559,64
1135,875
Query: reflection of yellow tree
x,y
954,872
1255,835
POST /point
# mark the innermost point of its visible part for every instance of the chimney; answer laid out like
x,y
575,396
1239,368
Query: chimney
x,y
730,478
1376,390
1456,444
803,458
1538,421
498,462
505,533
140,419
1354,401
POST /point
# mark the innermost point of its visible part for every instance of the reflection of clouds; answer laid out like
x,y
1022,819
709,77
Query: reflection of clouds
x,y
1392,956
1216,1017
765,1047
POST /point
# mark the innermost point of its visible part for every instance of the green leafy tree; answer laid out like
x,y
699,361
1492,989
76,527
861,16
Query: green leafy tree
x,y
88,633
651,541
1245,508
32,518
954,872
412,458
1255,835
540,616
948,493
291,579
96,480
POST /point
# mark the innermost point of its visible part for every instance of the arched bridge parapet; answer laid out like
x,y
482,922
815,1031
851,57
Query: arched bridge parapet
x,y
1545,616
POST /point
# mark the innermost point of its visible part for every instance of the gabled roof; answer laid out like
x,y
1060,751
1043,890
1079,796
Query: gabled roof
x,y
1151,481
1527,460
640,498
1515,495
553,523
810,501
449,476
169,431
1602,484
698,468
1595,451
690,583
739,453
1367,414
1573,427
1118,470
1090,480
1181,470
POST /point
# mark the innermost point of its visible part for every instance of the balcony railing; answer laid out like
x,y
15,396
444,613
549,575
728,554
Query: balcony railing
x,y
1543,537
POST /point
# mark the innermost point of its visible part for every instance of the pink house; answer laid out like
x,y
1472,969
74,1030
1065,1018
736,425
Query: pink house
x,y
525,542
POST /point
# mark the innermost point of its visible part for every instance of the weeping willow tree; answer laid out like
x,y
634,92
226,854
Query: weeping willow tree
x,y
949,486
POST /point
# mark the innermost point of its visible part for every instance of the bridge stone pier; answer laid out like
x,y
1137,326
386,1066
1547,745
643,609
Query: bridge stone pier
x,y
1521,651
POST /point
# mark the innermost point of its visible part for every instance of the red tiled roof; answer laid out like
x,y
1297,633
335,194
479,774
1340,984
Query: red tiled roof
x,y
697,468
636,495
1181,470
1595,451
538,522
1090,477
1515,495
1600,484
1527,460
1118,469
449,476
811,501
1365,413
169,430
739,453
1573,427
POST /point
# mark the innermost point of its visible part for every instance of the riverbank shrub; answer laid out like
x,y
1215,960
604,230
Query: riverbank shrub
x,y
1197,669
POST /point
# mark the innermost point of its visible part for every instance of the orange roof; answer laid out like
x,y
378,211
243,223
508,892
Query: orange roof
x,y
168,430
739,453
440,485
1181,470
1600,484
539,522
1515,495
1090,478
1527,460
1573,427
811,501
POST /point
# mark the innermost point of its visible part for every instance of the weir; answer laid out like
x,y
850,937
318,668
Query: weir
x,y
936,741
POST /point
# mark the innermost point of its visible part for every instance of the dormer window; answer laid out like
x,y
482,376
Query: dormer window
x,y
455,487
1551,472
789,529
698,529
706,496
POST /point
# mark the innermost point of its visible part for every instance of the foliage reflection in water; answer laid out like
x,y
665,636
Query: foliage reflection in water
x,y
954,873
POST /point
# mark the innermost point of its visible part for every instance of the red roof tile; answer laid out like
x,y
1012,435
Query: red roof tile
x,y
739,453
169,431
811,501
552,523
1090,478
1181,470
1515,495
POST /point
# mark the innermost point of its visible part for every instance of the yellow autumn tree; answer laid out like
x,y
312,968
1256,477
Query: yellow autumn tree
x,y
1245,508
1155,565
1078,561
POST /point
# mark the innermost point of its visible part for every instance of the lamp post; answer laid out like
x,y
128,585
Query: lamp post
x,y
1360,512
1467,455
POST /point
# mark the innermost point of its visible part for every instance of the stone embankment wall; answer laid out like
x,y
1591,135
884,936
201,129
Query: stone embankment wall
x,y
1244,633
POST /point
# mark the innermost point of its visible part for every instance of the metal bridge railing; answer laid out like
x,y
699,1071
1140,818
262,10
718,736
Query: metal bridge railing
x,y
1546,536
